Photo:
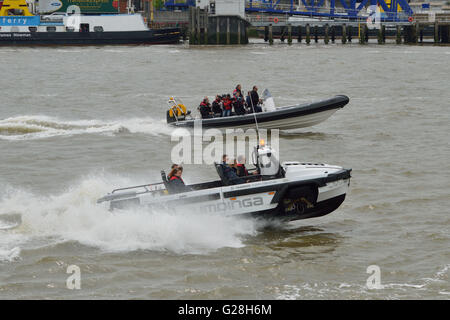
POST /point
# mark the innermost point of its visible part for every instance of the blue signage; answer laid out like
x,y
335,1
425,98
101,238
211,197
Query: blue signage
x,y
20,21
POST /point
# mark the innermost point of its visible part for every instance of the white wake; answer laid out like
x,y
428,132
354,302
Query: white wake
x,y
74,215
29,127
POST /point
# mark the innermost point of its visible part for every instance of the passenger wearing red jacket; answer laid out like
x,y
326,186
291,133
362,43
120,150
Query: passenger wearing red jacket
x,y
227,106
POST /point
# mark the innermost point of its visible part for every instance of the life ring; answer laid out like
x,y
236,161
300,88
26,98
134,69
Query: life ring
x,y
275,20
258,17
410,19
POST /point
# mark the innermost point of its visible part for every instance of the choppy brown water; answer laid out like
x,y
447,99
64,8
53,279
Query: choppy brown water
x,y
77,122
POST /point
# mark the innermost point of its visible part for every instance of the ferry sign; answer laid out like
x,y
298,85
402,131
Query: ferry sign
x,y
20,20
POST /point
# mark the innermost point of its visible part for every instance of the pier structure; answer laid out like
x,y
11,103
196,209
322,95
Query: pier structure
x,y
410,31
227,21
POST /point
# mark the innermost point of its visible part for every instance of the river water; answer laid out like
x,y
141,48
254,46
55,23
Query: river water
x,y
77,122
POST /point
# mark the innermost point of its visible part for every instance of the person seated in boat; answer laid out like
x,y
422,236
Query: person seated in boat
x,y
176,183
229,173
174,166
227,106
241,171
238,104
217,106
205,109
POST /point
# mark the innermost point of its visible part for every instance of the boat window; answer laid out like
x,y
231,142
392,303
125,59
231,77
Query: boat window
x,y
70,29
32,29
14,29
98,29
51,29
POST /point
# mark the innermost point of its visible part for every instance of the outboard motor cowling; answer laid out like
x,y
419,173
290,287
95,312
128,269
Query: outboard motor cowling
x,y
269,103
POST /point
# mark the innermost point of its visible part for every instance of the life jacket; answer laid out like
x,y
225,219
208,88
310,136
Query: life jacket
x,y
176,178
245,170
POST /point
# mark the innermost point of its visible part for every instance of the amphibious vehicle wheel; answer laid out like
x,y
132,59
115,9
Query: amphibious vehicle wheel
x,y
300,199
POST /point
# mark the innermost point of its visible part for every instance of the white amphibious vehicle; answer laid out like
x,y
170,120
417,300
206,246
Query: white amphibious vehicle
x,y
291,191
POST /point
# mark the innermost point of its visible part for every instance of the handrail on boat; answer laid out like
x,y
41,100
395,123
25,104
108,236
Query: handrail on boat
x,y
140,186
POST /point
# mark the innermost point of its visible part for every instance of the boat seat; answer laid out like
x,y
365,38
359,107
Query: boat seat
x,y
219,169
165,181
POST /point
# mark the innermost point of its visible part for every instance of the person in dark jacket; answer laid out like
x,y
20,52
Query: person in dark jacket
x,y
238,104
229,173
255,101
176,183
205,109
217,106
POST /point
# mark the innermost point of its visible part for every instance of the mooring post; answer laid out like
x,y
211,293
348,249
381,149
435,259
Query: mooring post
x,y
198,32
205,19
383,32
289,33
308,34
239,32
421,35
361,34
228,30
316,34
191,25
326,39
344,33
380,35
217,31
266,33
436,32
366,33
349,32
299,39
333,34
398,39
416,39
270,34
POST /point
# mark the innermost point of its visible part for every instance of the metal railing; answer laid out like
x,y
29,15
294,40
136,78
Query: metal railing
x,y
147,187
